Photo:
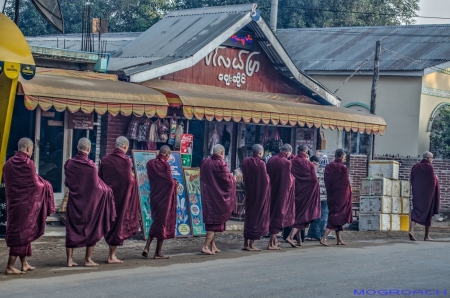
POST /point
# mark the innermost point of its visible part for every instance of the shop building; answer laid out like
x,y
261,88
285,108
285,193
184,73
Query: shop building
x,y
218,73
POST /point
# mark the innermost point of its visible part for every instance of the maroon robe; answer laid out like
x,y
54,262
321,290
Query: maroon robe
x,y
115,171
257,198
307,191
29,200
163,198
339,195
425,193
282,193
90,208
218,188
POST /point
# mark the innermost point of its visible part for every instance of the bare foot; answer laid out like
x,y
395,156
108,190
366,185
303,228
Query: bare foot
x,y
71,264
273,247
161,257
298,244
340,242
114,260
27,267
324,242
291,242
206,251
216,250
145,253
245,248
254,249
411,237
13,271
90,263
428,239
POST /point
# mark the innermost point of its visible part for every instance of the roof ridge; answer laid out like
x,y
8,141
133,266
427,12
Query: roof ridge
x,y
211,10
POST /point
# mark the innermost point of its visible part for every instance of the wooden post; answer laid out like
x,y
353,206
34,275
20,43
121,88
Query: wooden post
x,y
16,12
373,102
348,147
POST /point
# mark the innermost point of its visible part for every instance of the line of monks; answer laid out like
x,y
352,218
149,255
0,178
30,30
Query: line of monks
x,y
104,202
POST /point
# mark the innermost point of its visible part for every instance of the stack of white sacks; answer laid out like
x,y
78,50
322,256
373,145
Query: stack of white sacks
x,y
385,200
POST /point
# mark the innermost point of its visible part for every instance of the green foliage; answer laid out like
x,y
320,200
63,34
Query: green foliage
x,y
123,15
440,134
139,15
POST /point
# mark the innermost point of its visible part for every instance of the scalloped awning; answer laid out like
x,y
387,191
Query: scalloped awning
x,y
89,92
208,102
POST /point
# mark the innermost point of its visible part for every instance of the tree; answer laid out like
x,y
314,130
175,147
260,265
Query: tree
x,y
440,133
123,15
328,13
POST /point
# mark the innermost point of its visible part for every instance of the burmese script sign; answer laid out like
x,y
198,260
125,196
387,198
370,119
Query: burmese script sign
x,y
238,69
80,120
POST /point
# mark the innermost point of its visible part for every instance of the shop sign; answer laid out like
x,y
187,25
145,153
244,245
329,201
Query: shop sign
x,y
192,182
12,69
186,147
80,120
183,226
240,68
140,160
27,71
241,40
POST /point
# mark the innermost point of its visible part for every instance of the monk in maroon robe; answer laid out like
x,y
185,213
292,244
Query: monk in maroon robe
x,y
425,195
307,194
218,188
29,200
282,192
257,198
90,208
339,197
115,171
163,202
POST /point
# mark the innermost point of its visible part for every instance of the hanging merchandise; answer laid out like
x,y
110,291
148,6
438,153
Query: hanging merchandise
x,y
154,132
173,129
178,133
144,130
213,139
151,146
133,128
241,135
164,131
276,134
226,140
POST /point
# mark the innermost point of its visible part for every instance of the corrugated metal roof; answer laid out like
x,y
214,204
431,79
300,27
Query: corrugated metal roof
x,y
114,41
344,48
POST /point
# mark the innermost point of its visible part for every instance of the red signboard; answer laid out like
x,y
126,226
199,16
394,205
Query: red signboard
x,y
186,143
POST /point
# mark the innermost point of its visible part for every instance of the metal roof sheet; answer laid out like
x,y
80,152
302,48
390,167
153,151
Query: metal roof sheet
x,y
344,48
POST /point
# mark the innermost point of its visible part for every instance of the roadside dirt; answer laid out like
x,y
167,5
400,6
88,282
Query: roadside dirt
x,y
49,252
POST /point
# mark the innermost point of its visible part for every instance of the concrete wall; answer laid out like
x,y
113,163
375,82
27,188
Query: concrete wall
x,y
398,102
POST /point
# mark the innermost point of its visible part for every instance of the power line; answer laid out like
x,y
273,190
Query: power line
x,y
356,70
410,59
355,12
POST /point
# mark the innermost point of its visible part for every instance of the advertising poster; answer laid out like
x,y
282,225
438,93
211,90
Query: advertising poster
x,y
192,183
186,146
183,227
140,159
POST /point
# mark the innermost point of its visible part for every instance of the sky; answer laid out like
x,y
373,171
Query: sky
x,y
434,8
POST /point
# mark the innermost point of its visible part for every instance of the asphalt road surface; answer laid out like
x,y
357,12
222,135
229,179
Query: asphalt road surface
x,y
321,272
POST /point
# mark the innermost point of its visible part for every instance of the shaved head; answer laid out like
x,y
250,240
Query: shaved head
x,y
427,155
24,144
84,145
257,149
122,142
218,149
165,150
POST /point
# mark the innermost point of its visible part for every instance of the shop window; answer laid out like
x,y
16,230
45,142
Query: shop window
x,y
360,142
51,146
22,126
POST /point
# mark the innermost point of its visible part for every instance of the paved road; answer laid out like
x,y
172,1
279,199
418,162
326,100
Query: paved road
x,y
321,272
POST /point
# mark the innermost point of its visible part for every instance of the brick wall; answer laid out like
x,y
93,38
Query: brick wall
x,y
357,172
441,168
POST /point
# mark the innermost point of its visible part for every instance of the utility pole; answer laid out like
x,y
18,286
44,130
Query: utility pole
x,y
373,100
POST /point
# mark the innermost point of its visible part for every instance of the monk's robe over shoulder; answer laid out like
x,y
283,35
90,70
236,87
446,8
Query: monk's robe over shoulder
x,y
282,192
425,193
163,198
90,208
307,191
257,198
218,188
115,171
339,194
29,200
